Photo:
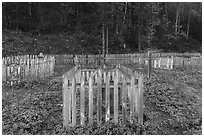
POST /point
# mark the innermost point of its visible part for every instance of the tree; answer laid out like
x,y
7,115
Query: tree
x,y
120,26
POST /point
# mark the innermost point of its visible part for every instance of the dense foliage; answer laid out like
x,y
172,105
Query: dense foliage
x,y
87,27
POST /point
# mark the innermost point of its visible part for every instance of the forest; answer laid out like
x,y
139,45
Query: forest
x,y
96,27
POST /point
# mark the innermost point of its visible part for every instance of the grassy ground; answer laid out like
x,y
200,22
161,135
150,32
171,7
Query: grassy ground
x,y
173,105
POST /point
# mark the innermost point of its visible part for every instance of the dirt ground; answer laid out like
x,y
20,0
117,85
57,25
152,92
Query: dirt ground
x,y
173,105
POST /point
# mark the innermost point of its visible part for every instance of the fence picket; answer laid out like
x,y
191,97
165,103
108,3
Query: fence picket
x,y
135,90
107,97
73,102
99,94
65,102
69,102
90,101
82,95
140,98
131,98
124,99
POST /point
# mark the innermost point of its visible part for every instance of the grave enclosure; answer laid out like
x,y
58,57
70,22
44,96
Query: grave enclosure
x,y
23,67
27,67
109,92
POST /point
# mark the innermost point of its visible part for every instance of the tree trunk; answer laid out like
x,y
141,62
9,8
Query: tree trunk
x,y
179,20
65,7
151,28
126,4
77,10
166,10
107,40
116,29
103,30
30,15
17,19
176,23
139,39
9,22
103,39
112,14
139,29
188,27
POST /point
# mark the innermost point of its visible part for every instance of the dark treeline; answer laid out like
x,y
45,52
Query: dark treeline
x,y
122,27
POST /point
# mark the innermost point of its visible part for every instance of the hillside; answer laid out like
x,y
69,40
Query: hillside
x,y
21,43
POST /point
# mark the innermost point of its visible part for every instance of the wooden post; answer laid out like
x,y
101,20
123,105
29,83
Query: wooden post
x,y
73,102
82,102
149,64
90,101
108,97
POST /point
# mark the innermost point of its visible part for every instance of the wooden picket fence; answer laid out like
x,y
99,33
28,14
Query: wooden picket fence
x,y
158,60
99,87
192,61
64,59
163,63
18,68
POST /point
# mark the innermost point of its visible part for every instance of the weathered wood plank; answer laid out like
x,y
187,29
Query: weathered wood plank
x,y
136,91
107,97
82,102
124,100
99,94
90,101
74,102
69,103
65,102
140,98
132,99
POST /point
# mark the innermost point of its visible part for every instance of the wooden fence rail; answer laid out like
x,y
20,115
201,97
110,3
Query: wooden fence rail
x,y
27,67
125,91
